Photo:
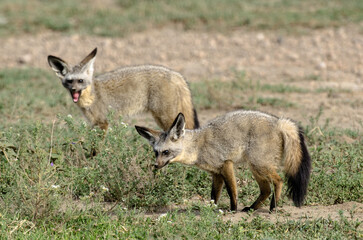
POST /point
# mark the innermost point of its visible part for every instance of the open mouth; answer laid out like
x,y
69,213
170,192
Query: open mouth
x,y
75,95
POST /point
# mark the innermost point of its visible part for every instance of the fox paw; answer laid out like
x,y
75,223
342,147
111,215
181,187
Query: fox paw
x,y
247,209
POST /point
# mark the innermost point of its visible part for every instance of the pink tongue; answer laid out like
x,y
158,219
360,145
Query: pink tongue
x,y
75,97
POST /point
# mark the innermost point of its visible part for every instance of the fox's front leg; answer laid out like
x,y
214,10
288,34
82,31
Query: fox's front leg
x,y
101,122
96,118
104,126
227,172
217,186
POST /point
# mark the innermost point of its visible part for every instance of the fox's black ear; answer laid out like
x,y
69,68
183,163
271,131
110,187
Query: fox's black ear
x,y
177,130
149,134
59,66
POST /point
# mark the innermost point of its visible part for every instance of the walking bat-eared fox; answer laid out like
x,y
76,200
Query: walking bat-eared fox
x,y
265,142
128,90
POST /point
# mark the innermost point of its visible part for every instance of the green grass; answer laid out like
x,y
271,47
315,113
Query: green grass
x,y
241,92
52,188
118,18
282,88
186,225
30,94
277,102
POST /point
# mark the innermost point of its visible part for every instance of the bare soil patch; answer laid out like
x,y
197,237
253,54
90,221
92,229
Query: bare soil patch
x,y
349,210
323,59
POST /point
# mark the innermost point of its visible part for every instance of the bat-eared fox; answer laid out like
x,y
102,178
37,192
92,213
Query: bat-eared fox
x,y
264,142
129,90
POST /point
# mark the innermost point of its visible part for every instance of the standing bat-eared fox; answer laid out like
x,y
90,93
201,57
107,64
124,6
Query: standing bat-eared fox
x,y
128,90
265,142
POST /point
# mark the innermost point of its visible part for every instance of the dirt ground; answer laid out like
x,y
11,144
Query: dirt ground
x,y
349,210
328,58
322,59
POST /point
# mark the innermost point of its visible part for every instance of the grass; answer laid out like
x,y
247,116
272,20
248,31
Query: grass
x,y
25,95
120,17
245,93
241,92
52,188
281,88
130,225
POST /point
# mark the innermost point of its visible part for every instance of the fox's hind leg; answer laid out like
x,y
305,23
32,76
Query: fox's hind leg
x,y
277,182
163,120
227,172
217,186
265,191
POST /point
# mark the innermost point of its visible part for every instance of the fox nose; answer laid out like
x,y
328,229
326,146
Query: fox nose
x,y
156,165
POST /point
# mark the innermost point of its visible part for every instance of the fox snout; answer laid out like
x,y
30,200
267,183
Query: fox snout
x,y
160,164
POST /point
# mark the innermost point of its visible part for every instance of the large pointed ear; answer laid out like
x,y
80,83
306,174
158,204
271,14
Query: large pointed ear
x,y
177,130
87,63
59,66
149,134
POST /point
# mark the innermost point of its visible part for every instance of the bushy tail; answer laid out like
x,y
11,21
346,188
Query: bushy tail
x,y
297,161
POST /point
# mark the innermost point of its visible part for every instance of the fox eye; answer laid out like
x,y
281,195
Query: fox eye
x,y
166,153
69,81
80,80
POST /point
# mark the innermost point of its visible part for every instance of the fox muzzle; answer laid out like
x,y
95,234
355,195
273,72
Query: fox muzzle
x,y
160,165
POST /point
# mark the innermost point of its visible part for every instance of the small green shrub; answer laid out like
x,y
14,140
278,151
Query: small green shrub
x,y
49,163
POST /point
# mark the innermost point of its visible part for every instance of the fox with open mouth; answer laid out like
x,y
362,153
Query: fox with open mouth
x,y
128,90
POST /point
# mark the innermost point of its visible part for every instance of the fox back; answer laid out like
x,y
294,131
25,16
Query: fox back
x,y
250,137
130,90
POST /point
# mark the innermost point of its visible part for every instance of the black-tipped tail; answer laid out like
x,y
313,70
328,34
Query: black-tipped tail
x,y
298,184
196,121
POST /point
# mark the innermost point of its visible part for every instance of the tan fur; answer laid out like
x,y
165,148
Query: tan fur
x,y
217,185
291,136
128,91
227,172
87,98
266,143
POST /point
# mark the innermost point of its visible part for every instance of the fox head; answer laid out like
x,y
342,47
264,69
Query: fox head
x,y
76,78
168,146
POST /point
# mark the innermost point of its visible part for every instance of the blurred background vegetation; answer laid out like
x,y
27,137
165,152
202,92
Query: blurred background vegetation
x,y
120,17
